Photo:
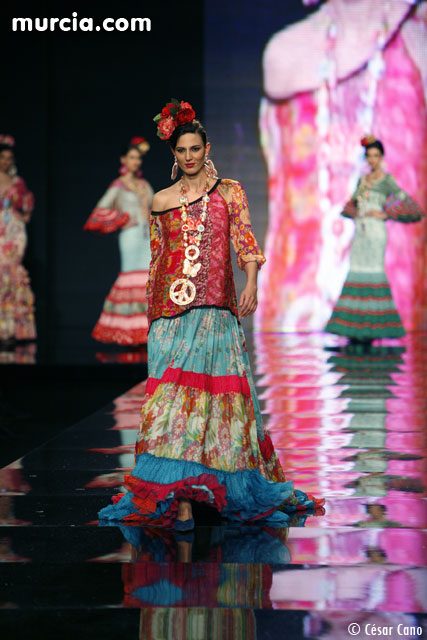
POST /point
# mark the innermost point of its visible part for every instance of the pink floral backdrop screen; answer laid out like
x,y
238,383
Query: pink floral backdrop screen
x,y
302,85
310,122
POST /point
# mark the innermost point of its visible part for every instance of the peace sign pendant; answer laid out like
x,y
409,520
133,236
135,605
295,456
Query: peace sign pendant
x,y
182,291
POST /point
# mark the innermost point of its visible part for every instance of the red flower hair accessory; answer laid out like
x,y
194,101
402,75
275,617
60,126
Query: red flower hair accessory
x,y
367,140
141,144
172,116
6,139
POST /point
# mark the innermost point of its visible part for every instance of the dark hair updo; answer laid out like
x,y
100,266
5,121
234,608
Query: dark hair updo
x,y
375,145
195,126
129,147
6,147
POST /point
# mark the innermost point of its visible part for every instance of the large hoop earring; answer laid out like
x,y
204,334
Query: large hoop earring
x,y
210,167
174,171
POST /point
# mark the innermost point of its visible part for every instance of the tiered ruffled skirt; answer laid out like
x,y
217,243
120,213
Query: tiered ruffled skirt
x,y
124,316
201,435
365,309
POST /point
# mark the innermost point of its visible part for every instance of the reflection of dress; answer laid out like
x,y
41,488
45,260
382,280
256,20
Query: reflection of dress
x,y
201,434
365,308
194,623
16,297
207,584
124,316
231,568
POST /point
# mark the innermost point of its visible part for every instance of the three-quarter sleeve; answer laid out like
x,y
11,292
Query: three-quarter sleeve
x,y
106,218
399,205
242,236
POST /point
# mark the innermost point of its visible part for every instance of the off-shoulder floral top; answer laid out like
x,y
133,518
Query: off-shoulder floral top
x,y
228,218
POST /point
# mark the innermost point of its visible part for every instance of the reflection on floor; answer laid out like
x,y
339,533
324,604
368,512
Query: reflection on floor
x,y
70,348
348,423
20,353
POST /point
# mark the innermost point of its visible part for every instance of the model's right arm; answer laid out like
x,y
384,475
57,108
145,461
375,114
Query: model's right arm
x,y
107,216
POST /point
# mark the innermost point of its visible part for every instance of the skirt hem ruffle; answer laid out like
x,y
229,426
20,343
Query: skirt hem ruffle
x,y
242,495
117,335
365,309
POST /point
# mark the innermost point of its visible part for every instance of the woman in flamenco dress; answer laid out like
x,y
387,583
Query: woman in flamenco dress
x,y
125,208
17,321
365,309
201,435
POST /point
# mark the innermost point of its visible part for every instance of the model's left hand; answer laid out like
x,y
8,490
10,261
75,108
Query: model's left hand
x,y
248,300
130,223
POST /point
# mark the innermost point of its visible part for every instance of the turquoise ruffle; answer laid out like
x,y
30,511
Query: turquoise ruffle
x,y
248,494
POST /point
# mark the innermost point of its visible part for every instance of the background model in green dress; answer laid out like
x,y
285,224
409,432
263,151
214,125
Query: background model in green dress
x,y
365,309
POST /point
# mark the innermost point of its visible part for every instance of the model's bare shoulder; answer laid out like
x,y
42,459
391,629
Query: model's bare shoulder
x,y
296,46
166,198
303,46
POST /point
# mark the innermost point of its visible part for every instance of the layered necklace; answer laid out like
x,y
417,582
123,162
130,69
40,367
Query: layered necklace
x,y
183,291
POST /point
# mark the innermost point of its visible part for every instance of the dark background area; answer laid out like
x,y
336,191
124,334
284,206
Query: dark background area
x,y
72,101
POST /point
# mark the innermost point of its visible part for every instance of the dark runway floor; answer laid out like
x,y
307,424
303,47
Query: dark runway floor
x,y
348,424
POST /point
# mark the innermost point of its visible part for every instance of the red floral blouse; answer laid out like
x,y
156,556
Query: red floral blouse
x,y
228,217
